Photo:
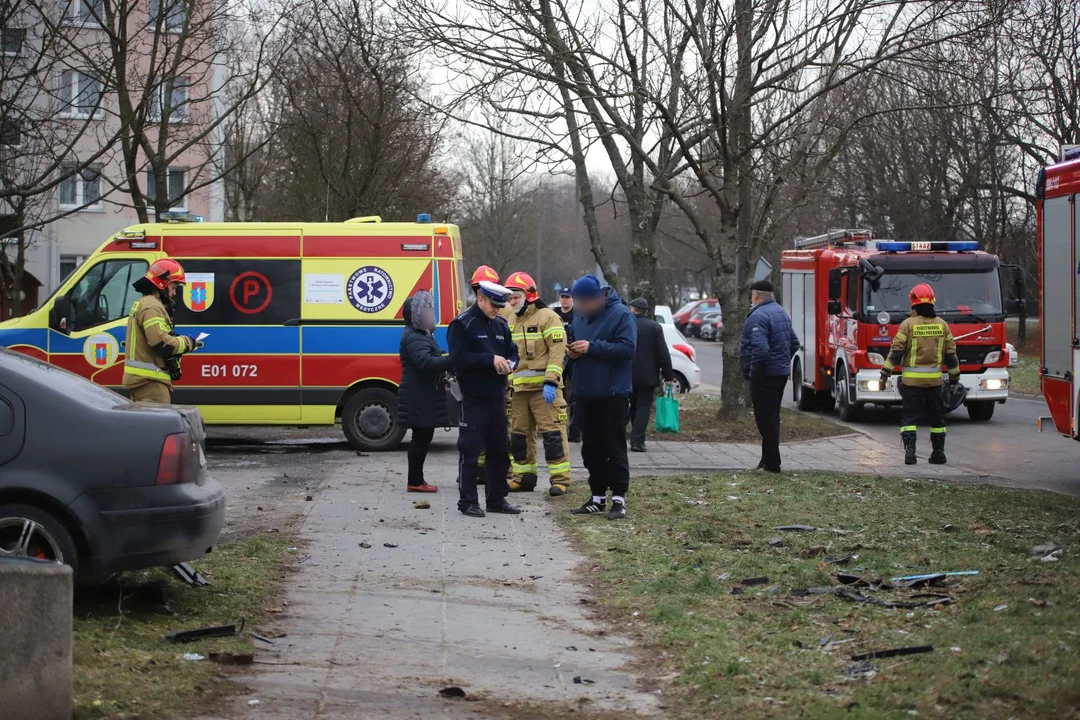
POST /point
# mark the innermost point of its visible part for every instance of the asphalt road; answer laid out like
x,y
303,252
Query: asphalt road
x,y
1009,446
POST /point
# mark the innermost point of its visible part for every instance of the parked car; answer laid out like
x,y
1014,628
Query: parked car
x,y
92,480
712,326
686,312
697,318
663,315
683,359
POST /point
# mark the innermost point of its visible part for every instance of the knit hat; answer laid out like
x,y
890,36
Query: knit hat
x,y
586,287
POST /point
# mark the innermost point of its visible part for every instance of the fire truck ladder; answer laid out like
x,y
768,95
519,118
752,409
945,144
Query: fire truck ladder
x,y
834,237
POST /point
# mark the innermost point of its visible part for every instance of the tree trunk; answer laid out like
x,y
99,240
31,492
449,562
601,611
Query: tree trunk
x,y
643,258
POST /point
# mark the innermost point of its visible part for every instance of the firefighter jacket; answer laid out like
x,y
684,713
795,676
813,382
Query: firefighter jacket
x,y
540,337
921,346
149,343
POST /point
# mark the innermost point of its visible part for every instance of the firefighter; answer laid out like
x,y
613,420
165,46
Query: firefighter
x,y
537,403
153,350
485,273
922,343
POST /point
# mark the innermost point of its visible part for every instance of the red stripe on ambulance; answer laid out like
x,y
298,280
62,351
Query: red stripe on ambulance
x,y
204,370
370,246
232,246
447,288
344,370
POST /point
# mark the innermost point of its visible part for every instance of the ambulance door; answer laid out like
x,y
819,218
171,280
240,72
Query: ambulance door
x,y
88,320
243,291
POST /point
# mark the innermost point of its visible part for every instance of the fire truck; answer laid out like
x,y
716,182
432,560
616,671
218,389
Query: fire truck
x,y
1057,193
847,293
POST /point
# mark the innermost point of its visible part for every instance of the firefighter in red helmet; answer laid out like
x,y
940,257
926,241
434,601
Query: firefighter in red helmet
x,y
922,344
152,350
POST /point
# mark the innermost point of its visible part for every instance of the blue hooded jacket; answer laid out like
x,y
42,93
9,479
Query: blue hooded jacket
x,y
768,342
606,371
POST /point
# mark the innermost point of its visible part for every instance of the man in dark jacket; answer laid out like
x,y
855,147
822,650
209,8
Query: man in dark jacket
x,y
651,360
566,312
604,337
768,344
484,354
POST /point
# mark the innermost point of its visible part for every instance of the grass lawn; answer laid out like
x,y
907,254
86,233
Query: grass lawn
x,y
1007,645
1024,375
698,423
123,668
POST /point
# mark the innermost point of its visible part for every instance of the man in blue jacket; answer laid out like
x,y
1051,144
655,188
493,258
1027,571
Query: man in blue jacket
x,y
768,344
483,354
604,337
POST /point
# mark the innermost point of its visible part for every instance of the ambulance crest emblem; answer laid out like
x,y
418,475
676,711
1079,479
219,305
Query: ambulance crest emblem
x,y
370,289
101,350
199,291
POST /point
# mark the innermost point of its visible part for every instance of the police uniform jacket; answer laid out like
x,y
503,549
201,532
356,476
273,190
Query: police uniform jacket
x,y
920,347
474,341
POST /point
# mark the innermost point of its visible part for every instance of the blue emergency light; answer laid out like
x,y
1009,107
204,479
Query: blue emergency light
x,y
937,246
423,218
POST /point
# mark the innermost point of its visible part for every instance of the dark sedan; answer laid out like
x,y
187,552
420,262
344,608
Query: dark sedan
x,y
90,479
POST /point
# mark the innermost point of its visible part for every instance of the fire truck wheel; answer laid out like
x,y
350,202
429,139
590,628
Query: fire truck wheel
x,y
981,410
369,420
845,409
805,399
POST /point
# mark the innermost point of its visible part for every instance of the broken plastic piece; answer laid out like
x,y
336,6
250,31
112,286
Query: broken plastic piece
x,y
893,652
212,631
928,576
841,560
389,545
578,680
763,580
366,546
796,528
452,692
190,575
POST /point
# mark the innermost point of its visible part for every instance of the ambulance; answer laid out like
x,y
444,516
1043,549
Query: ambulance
x,y
302,320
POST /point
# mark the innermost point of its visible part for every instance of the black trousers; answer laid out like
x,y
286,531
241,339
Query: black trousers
x,y
767,394
922,405
418,450
482,429
641,403
603,444
573,425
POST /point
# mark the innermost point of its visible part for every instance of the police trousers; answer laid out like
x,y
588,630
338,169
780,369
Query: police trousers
x,y
482,429
922,405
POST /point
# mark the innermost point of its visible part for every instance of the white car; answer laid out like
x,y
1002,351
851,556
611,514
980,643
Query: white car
x,y
683,358
664,315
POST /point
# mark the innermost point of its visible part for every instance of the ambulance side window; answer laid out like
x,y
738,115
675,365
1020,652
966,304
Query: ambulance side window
x,y
104,294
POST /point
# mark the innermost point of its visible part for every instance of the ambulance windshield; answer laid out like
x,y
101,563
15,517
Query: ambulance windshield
x,y
963,294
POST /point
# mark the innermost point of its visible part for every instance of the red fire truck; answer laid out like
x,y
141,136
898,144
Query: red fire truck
x,y
847,293
1058,207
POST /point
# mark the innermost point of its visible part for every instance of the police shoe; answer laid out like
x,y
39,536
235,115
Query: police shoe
x,y
504,508
472,510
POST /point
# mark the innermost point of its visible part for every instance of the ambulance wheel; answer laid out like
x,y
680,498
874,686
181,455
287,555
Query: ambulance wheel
x,y
369,420
845,409
981,410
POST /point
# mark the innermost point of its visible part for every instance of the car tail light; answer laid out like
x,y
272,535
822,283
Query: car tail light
x,y
686,350
175,464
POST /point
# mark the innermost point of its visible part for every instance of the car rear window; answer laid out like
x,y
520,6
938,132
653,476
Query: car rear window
x,y
28,370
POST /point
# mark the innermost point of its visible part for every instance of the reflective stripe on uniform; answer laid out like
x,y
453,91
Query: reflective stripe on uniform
x,y
151,322
908,428
557,369
937,431
147,370
556,468
922,372
528,377
555,332
523,469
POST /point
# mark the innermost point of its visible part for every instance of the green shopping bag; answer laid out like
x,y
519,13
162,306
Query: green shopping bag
x,y
667,412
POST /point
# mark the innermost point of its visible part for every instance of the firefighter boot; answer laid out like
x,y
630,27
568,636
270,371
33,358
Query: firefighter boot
x,y
524,471
937,442
909,447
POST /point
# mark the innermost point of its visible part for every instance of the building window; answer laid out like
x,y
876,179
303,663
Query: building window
x,y
10,133
177,185
11,41
81,188
87,12
68,263
80,94
174,94
174,14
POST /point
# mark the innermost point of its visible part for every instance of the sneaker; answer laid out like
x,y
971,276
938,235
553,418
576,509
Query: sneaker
x,y
504,508
590,508
472,510
557,490
617,512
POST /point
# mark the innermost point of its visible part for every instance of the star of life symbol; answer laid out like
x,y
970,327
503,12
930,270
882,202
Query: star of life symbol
x,y
370,289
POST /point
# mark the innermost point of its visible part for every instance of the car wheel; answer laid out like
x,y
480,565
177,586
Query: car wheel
x,y
29,532
684,384
845,409
369,420
981,410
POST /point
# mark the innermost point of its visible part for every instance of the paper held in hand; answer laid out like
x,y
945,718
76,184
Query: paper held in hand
x,y
202,336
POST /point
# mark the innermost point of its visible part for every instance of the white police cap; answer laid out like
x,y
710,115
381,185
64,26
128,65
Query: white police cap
x,y
495,292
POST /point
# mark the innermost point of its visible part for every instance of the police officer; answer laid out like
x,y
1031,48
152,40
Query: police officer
x,y
480,274
152,351
483,354
922,343
537,403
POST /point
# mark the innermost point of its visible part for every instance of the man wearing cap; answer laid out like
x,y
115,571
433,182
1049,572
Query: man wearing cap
x,y
483,354
604,337
651,360
565,311
768,344
484,272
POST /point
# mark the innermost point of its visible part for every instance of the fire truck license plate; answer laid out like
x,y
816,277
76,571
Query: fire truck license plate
x,y
920,246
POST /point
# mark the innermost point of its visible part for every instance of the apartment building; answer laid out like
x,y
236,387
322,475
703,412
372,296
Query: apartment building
x,y
74,104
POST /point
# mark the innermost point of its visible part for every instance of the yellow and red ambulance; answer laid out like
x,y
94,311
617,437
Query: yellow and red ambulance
x,y
302,320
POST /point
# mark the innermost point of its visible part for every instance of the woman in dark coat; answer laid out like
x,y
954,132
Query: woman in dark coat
x,y
421,395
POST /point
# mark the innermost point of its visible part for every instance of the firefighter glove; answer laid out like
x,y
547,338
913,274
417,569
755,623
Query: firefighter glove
x,y
549,393
885,374
954,379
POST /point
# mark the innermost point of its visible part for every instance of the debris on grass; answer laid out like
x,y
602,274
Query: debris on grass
x,y
999,608
932,576
863,670
211,631
796,528
1044,549
578,680
193,656
893,652
190,575
421,505
1053,557
777,542
232,658
762,580
452,692
389,545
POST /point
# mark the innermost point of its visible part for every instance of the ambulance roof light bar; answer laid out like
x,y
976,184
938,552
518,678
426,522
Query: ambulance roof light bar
x,y
178,217
937,246
834,237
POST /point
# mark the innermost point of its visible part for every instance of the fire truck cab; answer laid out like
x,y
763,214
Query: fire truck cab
x,y
847,293
1058,212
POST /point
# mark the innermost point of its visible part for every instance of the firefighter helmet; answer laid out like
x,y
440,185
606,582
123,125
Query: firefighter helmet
x,y
524,282
165,271
484,273
922,294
